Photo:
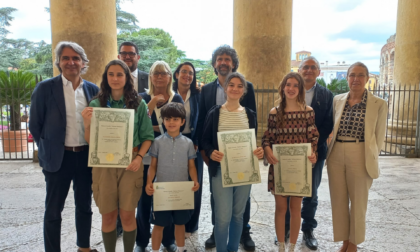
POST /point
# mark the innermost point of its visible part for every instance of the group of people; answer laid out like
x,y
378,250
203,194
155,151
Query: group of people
x,y
175,132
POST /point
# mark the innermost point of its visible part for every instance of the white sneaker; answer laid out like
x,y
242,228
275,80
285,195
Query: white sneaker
x,y
291,247
282,247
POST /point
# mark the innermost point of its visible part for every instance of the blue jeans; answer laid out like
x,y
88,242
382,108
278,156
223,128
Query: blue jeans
x,y
310,204
229,208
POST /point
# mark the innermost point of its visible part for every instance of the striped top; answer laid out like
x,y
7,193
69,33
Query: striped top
x,y
229,121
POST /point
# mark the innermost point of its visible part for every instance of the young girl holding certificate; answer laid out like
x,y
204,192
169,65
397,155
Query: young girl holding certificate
x,y
229,202
290,122
119,189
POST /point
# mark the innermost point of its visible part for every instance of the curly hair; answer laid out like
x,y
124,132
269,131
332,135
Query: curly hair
x,y
131,98
225,49
282,97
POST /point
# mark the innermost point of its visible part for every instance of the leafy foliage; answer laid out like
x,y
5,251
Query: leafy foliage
x,y
336,86
15,89
5,19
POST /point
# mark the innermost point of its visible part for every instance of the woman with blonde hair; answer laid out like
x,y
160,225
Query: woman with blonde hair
x,y
160,93
288,123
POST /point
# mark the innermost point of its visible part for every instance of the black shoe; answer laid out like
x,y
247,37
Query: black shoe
x,y
172,248
139,249
210,242
247,241
310,240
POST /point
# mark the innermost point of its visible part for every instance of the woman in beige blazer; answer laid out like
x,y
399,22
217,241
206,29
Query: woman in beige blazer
x,y
352,158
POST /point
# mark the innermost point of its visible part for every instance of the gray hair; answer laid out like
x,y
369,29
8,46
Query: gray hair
x,y
310,58
359,64
240,77
77,48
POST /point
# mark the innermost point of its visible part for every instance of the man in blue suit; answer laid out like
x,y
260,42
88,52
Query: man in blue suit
x,y
57,127
321,100
225,61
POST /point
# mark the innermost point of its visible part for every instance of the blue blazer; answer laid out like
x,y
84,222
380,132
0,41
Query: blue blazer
x,y
322,103
194,107
48,120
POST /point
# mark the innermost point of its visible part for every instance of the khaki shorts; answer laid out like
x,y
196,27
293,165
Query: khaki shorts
x,y
115,188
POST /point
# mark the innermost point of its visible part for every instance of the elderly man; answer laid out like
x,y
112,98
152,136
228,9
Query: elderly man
x,y
57,127
224,60
321,100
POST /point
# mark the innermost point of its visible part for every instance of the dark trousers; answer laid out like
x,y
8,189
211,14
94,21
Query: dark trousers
x,y
247,213
144,208
73,168
192,225
310,204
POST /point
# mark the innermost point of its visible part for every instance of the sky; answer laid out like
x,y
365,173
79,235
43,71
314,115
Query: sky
x,y
332,30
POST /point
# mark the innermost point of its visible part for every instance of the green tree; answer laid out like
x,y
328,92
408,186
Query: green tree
x,y
126,22
16,89
5,19
336,86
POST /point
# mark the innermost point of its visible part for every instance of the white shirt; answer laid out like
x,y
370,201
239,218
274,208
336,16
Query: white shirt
x,y
310,95
75,102
135,75
187,129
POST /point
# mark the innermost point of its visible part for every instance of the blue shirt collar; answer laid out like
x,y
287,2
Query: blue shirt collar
x,y
167,135
218,83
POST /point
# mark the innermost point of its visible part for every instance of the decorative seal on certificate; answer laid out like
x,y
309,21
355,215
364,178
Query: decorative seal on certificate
x,y
295,157
111,137
239,165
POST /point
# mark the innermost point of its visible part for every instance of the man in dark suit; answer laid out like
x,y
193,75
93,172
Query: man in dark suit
x,y
57,127
129,53
321,100
224,60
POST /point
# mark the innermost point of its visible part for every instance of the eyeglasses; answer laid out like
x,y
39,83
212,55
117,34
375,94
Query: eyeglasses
x,y
186,72
163,74
131,54
313,67
360,76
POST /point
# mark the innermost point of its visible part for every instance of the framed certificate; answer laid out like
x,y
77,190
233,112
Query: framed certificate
x,y
170,196
111,138
293,172
239,164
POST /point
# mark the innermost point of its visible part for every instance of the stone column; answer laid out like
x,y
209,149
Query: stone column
x,y
262,36
406,76
92,24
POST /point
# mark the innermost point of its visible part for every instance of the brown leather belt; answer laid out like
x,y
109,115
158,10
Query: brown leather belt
x,y
77,148
350,141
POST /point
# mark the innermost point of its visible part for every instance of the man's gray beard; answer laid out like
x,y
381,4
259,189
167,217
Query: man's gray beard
x,y
224,74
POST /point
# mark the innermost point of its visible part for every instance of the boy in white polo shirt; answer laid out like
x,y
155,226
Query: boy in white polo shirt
x,y
172,160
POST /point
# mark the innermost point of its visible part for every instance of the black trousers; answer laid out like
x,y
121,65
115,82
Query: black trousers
x,y
73,168
192,225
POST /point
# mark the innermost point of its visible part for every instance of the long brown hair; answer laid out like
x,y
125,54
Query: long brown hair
x,y
282,97
131,97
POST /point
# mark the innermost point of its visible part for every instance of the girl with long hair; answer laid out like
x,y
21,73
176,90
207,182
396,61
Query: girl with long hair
x,y
115,190
288,123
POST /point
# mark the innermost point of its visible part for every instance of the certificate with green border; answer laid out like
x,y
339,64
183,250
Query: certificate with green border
x,y
111,138
293,172
239,164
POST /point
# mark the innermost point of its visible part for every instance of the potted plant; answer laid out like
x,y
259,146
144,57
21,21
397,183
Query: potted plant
x,y
16,88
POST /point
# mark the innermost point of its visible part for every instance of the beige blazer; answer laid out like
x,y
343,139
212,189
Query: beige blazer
x,y
375,125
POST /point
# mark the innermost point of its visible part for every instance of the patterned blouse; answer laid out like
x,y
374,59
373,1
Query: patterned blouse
x,y
352,123
299,128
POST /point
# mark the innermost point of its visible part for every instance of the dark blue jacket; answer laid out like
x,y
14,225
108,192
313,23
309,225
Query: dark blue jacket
x,y
208,100
48,120
209,140
322,103
194,107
